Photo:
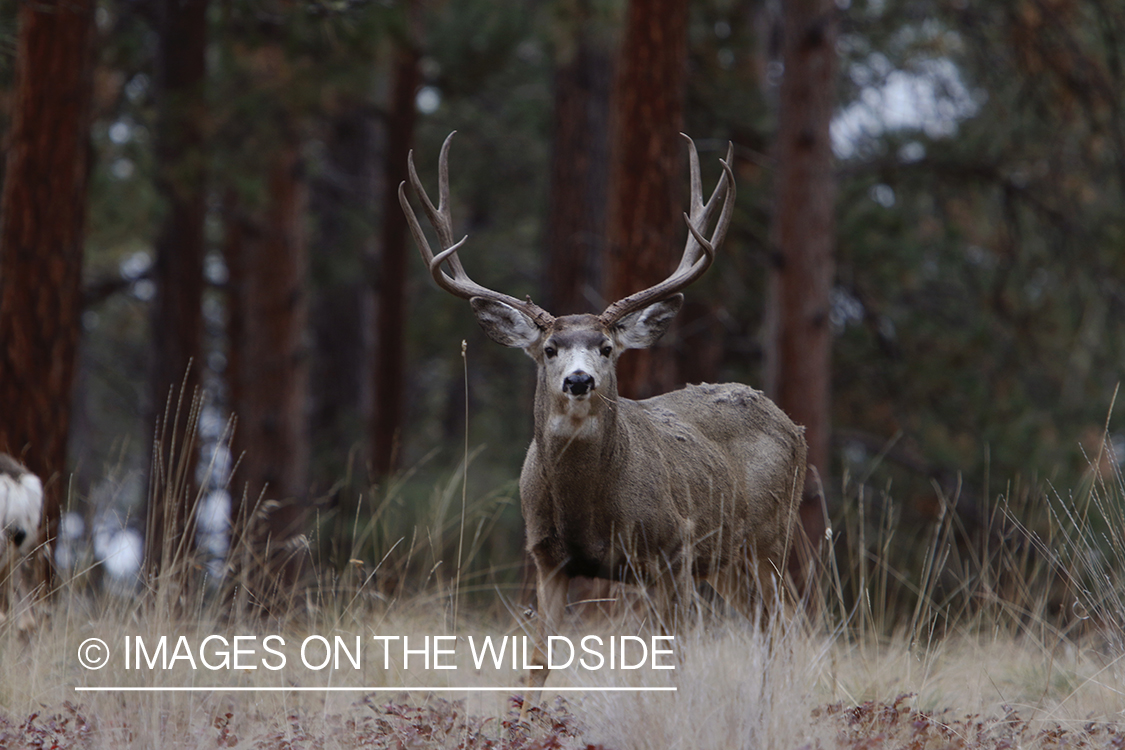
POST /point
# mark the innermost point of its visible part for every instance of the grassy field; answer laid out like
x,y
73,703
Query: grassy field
x,y
1010,636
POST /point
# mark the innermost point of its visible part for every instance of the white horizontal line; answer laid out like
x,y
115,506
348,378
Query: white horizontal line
x,y
219,689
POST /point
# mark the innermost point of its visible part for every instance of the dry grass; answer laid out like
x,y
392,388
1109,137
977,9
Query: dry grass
x,y
736,687
1015,643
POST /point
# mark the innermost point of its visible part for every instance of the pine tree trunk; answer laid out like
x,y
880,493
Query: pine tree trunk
x,y
645,211
42,221
268,363
177,316
389,365
342,298
799,348
579,166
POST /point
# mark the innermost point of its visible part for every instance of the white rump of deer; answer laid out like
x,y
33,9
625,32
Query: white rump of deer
x,y
21,513
700,484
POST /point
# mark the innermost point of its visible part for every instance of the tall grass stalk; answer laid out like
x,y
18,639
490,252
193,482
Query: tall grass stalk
x,y
464,483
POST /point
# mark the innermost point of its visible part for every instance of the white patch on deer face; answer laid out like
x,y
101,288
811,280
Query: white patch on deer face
x,y
578,372
575,421
21,510
578,369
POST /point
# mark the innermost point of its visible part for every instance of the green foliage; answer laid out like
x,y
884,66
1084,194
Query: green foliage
x,y
983,246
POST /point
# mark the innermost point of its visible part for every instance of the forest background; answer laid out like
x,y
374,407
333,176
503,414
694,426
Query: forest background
x,y
218,188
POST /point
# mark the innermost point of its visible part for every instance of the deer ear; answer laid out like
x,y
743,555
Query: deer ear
x,y
505,324
643,328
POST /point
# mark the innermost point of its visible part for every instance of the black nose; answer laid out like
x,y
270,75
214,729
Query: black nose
x,y
578,383
17,535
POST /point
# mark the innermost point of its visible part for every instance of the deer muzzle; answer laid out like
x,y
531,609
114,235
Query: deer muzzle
x,y
578,383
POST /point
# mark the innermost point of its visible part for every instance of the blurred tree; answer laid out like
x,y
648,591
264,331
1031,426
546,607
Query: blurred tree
x,y
390,349
576,205
177,310
262,169
268,366
980,308
295,85
798,375
42,220
645,212
330,87
344,220
111,436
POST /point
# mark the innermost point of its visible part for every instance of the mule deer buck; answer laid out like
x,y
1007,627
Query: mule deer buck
x,y
701,483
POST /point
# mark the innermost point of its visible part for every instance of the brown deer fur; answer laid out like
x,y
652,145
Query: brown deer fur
x,y
700,484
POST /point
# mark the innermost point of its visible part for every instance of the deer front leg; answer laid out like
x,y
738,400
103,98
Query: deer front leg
x,y
23,597
551,585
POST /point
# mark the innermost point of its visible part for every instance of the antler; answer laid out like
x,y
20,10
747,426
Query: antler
x,y
459,284
698,251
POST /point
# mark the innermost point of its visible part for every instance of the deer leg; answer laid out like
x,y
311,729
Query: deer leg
x,y
24,596
551,585
775,594
678,601
8,572
753,589
737,585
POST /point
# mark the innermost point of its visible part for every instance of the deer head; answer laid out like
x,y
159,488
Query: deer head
x,y
576,354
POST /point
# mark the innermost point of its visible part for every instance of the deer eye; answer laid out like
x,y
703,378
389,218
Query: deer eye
x,y
550,351
607,350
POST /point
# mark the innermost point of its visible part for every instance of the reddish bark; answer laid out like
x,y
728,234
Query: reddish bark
x,y
799,349
42,220
645,211
579,166
268,365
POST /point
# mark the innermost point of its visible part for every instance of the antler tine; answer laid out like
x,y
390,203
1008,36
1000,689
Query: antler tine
x,y
699,251
701,212
458,284
721,226
442,222
697,207
443,207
